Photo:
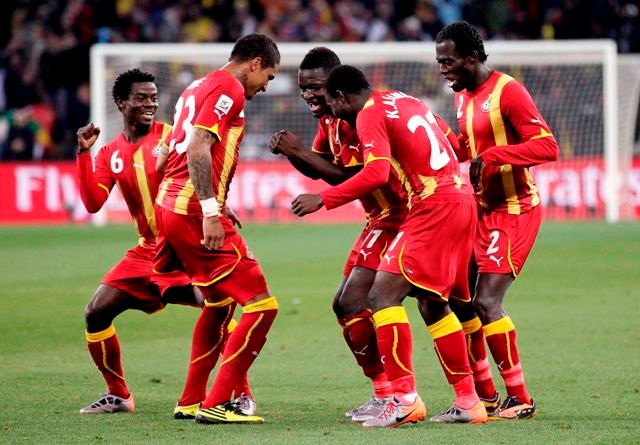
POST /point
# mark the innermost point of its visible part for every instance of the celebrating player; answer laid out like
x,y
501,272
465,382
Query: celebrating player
x,y
503,134
193,232
336,154
129,160
428,258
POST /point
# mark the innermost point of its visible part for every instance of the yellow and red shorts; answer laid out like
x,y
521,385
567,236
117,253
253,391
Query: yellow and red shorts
x,y
231,271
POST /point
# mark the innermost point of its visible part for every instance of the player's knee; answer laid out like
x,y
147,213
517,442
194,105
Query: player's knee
x,y
484,307
337,307
376,300
94,316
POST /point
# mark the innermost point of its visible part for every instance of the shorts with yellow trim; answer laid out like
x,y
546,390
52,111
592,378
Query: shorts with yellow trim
x,y
504,241
134,275
228,272
370,246
433,247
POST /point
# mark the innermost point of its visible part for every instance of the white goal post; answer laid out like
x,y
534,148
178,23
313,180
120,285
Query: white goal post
x,y
574,83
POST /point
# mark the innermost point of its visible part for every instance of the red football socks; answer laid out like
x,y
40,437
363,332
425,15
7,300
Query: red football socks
x,y
209,335
242,348
501,338
105,352
450,346
477,352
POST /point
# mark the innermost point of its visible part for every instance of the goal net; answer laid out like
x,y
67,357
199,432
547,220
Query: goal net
x,y
590,107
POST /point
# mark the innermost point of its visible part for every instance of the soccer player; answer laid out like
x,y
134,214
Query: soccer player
x,y
428,258
503,134
129,161
193,232
336,154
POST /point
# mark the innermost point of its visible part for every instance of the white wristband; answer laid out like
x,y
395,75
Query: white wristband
x,y
209,207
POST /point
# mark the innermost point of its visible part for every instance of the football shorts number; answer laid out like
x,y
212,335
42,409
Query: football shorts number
x,y
495,235
395,241
372,237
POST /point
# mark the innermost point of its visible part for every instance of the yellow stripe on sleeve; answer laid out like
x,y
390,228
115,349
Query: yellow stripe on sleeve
x,y
501,326
106,189
447,325
390,315
372,158
95,337
215,130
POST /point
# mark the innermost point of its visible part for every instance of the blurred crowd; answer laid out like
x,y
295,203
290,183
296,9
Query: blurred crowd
x,y
44,63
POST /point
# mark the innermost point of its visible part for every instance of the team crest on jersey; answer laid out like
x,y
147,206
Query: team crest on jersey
x,y
224,104
250,255
487,104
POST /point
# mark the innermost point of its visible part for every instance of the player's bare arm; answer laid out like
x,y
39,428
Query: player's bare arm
x,y
87,136
310,164
199,164
306,203
163,155
475,172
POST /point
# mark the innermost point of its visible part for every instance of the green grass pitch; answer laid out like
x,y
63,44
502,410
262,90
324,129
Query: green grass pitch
x,y
576,307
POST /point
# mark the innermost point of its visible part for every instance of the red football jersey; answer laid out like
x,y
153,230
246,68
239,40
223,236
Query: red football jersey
x,y
335,137
500,122
215,103
400,130
133,168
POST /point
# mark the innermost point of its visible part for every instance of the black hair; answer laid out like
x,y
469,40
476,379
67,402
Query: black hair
x,y
466,38
320,57
347,79
256,45
122,85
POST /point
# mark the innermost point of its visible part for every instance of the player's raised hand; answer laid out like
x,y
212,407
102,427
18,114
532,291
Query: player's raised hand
x,y
289,143
306,203
233,217
475,172
87,136
212,232
274,141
